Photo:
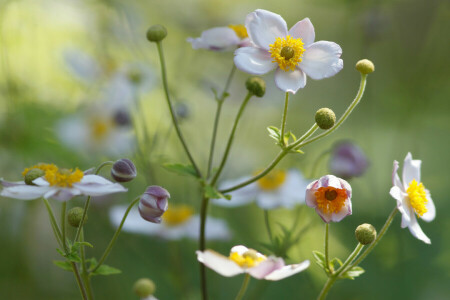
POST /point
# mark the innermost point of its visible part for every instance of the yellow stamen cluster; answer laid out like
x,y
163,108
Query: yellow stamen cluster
x,y
248,259
176,215
43,167
99,128
58,177
287,52
273,180
330,199
240,30
417,197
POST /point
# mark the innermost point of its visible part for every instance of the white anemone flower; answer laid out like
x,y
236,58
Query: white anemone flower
x,y
293,53
59,184
277,189
177,222
221,38
412,197
245,260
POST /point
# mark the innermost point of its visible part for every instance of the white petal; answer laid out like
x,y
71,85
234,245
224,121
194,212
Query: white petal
x,y
416,231
219,263
95,179
346,210
62,194
287,271
398,195
264,27
253,60
326,217
217,39
41,182
292,191
82,65
290,81
24,192
266,267
94,185
310,197
321,60
431,209
239,249
304,29
73,133
134,222
411,170
269,200
395,178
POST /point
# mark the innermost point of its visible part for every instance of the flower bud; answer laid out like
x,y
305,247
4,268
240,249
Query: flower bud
x,y
256,86
144,287
348,160
123,170
156,33
32,175
153,203
365,66
75,215
181,110
122,118
325,118
365,233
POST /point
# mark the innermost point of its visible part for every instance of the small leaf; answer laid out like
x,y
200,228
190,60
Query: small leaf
x,y
106,270
352,273
274,133
83,244
73,256
65,265
320,259
213,193
336,263
180,169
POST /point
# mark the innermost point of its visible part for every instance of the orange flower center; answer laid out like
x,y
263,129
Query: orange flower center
x,y
330,199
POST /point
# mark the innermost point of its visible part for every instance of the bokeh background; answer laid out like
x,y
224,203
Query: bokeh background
x,y
405,108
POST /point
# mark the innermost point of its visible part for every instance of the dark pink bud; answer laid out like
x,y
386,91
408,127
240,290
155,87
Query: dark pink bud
x,y
123,170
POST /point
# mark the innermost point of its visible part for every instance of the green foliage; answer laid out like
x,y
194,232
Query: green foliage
x,y
352,273
63,264
212,193
180,169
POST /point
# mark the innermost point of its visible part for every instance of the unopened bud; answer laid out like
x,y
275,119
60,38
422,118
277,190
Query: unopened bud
x,y
325,118
32,175
75,215
181,110
256,86
144,287
123,170
365,234
365,66
153,203
122,118
156,33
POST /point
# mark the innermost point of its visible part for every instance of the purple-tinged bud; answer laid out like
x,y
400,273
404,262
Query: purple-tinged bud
x,y
348,160
153,203
123,170
122,118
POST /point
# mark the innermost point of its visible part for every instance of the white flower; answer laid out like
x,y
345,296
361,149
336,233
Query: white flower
x,y
177,222
59,184
276,189
244,260
412,197
293,53
221,38
83,66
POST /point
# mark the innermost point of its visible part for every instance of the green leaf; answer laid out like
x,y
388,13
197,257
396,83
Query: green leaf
x,y
320,259
65,265
335,263
180,169
352,273
106,270
213,193
274,133
78,244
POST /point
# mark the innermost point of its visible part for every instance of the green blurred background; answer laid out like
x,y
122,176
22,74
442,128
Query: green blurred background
x,y
405,108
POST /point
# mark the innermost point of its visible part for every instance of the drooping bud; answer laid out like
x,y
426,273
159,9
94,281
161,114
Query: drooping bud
x,y
123,170
32,175
365,234
325,118
144,287
153,203
256,86
156,33
365,66
348,160
75,215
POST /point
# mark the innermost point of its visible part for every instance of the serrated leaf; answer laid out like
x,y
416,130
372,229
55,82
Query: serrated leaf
x,y
65,265
352,273
180,169
274,133
60,252
213,193
73,256
106,270
320,259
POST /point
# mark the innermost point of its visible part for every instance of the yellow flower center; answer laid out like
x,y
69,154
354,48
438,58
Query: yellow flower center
x,y
240,30
176,215
287,52
99,128
273,180
417,197
330,199
58,177
43,167
248,259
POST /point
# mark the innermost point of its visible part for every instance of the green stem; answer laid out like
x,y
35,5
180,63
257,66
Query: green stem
x,y
55,227
283,121
114,238
202,246
83,218
104,164
323,293
63,225
79,280
266,220
243,287
84,274
317,162
172,113
327,259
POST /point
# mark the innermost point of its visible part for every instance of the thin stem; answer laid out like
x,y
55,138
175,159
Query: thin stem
x,y
317,162
114,238
213,139
63,225
55,227
202,246
327,259
266,220
323,293
227,84
83,218
79,281
84,273
283,121
104,164
243,287
172,113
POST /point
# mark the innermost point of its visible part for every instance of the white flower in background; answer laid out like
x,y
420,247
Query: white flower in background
x,y
49,181
293,53
221,38
177,222
277,189
82,66
412,197
245,260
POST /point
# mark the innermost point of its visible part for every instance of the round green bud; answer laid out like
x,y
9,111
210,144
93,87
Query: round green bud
x,y
144,287
365,66
365,233
156,33
75,215
325,118
32,175
256,86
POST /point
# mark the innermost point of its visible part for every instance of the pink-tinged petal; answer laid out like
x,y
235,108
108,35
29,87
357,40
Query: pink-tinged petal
x,y
304,29
287,271
398,195
62,194
345,185
253,60
310,197
395,178
266,267
133,223
417,232
5,183
216,39
321,60
219,263
326,217
329,180
239,197
431,209
345,211
92,189
264,27
290,81
411,170
292,190
94,179
24,192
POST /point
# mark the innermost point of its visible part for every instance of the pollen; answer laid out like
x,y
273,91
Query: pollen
x,y
63,177
240,30
43,167
417,197
177,214
248,259
273,180
330,199
287,52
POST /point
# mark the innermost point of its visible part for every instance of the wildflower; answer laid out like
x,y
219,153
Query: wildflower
x,y
348,160
293,53
277,189
59,184
123,170
154,203
245,260
221,38
330,196
412,197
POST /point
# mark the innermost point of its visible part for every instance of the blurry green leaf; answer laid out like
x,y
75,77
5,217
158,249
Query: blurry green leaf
x,y
65,265
180,169
335,263
274,133
213,193
106,270
320,260
352,273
